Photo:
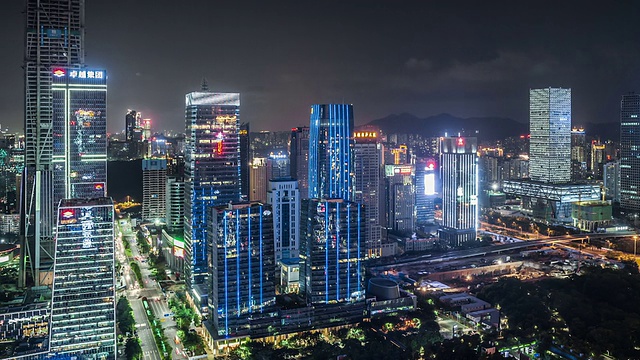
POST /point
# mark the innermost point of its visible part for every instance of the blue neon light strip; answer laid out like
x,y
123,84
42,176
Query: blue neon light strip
x,y
249,258
238,261
337,227
261,262
349,251
226,276
326,251
359,253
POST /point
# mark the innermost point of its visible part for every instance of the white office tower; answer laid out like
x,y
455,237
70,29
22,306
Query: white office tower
x,y
284,197
459,171
83,306
154,179
368,168
175,204
550,127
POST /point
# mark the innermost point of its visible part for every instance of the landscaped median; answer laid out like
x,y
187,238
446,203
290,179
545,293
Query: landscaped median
x,y
158,333
136,269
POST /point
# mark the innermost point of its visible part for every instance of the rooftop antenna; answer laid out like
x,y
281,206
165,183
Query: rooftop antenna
x,y
204,86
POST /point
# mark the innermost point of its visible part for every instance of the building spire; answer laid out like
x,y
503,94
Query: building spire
x,y
205,84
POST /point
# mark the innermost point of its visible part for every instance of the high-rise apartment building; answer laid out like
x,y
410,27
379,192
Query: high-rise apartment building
x,y
368,152
174,203
630,153
154,182
611,180
400,198
79,133
54,38
459,173
83,306
331,152
299,158
550,128
243,269
331,252
284,198
212,169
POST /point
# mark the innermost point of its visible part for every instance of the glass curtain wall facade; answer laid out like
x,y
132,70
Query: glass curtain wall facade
x,y
459,172
368,153
243,268
550,128
212,169
79,133
331,253
83,299
54,37
630,153
331,152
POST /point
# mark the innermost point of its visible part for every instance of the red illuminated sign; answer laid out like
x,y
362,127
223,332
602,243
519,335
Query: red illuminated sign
x,y
219,148
58,72
98,186
460,142
67,214
431,164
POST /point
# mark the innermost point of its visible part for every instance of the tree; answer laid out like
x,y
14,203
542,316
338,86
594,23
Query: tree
x,y
132,349
124,316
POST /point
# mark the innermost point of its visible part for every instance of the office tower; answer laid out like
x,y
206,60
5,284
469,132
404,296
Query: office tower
x,y
243,268
245,156
154,181
550,127
611,180
175,203
425,191
258,180
212,169
284,198
400,198
146,129
277,166
54,37
459,172
331,252
331,152
630,153
368,167
598,158
132,121
79,133
83,306
299,158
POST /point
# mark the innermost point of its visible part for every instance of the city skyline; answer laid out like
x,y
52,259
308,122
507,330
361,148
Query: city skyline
x,y
463,58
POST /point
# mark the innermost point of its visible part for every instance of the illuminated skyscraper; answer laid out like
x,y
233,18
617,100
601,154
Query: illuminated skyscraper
x,y
299,158
550,127
630,153
245,149
243,269
459,171
154,181
79,133
331,152
425,191
368,167
83,306
400,197
331,252
258,180
212,169
132,125
54,37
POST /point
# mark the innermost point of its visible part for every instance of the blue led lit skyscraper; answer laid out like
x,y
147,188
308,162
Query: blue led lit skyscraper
x,y
242,269
630,153
212,169
331,173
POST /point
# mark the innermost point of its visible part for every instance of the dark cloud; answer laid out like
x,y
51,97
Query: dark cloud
x,y
468,58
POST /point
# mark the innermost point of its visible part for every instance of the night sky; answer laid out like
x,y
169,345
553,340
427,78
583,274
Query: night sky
x,y
471,58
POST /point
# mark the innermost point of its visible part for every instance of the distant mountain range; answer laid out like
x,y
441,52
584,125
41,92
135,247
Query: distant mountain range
x,y
485,128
